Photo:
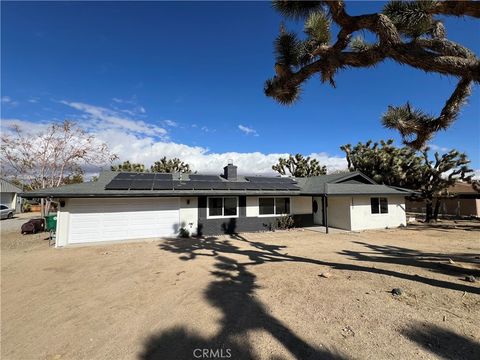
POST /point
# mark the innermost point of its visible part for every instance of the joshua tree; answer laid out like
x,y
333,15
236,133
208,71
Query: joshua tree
x,y
408,32
476,185
404,167
299,166
127,166
170,166
441,173
385,163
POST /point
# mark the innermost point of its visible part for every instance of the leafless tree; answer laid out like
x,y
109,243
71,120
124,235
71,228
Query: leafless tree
x,y
51,157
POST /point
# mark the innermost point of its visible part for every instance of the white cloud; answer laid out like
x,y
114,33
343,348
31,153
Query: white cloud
x,y
100,118
207,129
8,101
438,148
146,150
170,123
130,145
28,126
248,130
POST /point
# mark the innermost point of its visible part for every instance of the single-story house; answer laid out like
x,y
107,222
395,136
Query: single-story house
x,y
121,206
460,199
9,195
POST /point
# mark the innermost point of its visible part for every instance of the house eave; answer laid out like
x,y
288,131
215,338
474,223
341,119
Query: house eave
x,y
158,194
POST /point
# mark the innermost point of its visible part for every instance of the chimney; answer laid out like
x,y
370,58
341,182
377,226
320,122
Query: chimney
x,y
230,171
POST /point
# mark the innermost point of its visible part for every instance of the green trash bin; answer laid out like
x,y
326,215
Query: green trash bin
x,y
51,223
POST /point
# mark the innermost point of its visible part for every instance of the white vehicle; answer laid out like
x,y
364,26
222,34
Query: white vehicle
x,y
6,212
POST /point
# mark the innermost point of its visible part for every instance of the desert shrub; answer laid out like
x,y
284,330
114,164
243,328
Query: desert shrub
x,y
285,222
26,207
183,233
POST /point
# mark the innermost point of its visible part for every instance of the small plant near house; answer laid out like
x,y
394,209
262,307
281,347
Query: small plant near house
x,y
27,207
183,233
285,222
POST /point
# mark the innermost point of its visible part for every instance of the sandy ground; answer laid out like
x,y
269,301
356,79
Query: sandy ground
x,y
253,296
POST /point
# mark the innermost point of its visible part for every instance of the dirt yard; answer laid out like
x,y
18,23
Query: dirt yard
x,y
282,295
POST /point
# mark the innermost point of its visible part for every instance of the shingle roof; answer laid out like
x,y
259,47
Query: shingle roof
x,y
6,187
462,188
363,189
335,184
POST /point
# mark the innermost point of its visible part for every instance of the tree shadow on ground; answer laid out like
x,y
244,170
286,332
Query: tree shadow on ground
x,y
212,246
470,225
233,293
444,343
449,264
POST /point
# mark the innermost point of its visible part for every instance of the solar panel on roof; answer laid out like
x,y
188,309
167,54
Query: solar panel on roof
x,y
118,185
144,176
219,185
123,176
252,186
237,186
177,185
201,185
268,186
258,179
160,176
162,185
141,185
204,177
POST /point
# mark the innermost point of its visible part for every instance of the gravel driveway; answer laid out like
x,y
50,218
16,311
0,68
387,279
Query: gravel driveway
x,y
13,225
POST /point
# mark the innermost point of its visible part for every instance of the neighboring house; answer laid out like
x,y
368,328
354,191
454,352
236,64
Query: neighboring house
x,y
121,206
460,199
9,195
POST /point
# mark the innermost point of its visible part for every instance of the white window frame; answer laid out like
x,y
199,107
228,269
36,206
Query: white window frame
x,y
223,208
274,205
379,206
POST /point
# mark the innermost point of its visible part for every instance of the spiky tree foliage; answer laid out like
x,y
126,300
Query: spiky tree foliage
x,y
174,165
407,168
127,166
444,171
75,178
299,166
476,185
408,33
385,163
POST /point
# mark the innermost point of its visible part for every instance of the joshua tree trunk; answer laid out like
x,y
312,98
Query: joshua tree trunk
x,y
429,210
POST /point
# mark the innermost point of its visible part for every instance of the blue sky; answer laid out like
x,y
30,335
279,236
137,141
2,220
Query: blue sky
x,y
186,79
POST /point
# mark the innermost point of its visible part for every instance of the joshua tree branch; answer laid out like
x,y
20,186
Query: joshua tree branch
x,y
434,54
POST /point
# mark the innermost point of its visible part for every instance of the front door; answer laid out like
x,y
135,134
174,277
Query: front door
x,y
317,210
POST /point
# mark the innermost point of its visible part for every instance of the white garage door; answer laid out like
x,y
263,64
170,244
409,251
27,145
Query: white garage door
x,y
93,220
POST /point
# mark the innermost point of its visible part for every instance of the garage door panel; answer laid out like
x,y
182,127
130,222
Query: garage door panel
x,y
114,219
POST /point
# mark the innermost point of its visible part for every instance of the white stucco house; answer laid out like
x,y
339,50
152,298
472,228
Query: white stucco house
x,y
123,206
